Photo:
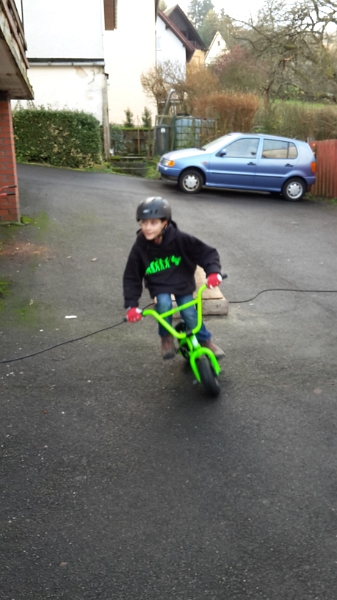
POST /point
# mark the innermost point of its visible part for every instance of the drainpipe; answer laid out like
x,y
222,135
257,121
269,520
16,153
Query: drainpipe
x,y
167,104
105,119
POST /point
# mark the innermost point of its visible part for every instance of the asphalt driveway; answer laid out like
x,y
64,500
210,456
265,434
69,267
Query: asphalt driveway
x,y
120,480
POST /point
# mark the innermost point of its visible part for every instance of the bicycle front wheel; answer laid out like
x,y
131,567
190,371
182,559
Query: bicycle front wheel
x,y
208,377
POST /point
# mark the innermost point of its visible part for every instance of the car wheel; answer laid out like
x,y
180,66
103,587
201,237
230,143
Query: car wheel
x,y
190,181
294,189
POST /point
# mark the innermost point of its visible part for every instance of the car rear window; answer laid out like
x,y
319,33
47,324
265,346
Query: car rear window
x,y
278,149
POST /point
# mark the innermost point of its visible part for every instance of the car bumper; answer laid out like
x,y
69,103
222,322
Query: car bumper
x,y
168,172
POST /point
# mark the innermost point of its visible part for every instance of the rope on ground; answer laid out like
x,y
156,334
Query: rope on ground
x,y
82,337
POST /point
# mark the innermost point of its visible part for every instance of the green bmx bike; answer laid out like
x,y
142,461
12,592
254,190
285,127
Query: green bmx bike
x,y
203,362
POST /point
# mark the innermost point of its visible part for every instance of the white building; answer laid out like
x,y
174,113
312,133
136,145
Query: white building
x,y
66,55
171,44
218,46
89,55
130,50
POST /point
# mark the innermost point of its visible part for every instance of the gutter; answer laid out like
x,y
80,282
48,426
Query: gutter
x,y
52,62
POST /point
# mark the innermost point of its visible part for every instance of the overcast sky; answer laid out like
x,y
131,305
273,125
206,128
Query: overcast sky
x,y
241,9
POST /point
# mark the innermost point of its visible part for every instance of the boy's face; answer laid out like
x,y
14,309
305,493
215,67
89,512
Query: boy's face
x,y
152,228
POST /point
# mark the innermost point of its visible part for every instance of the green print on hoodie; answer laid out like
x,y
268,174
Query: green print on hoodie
x,y
161,264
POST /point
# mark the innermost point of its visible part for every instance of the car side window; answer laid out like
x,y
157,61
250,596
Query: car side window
x,y
244,148
278,149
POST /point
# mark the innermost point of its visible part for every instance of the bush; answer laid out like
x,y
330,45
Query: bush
x,y
233,111
128,119
298,120
58,137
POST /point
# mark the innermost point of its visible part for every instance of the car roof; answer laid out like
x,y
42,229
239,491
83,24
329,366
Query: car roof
x,y
267,135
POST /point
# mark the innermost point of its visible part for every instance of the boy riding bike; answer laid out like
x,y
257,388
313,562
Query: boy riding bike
x,y
166,259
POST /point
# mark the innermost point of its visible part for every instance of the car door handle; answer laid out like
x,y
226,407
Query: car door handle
x,y
251,164
288,165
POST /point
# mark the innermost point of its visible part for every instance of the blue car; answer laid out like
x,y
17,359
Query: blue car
x,y
244,161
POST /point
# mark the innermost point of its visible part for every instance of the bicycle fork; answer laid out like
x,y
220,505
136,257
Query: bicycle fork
x,y
195,352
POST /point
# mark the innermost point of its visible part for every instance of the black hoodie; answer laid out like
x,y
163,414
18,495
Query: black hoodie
x,y
167,267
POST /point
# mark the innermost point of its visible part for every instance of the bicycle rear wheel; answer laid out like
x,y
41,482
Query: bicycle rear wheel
x,y
208,377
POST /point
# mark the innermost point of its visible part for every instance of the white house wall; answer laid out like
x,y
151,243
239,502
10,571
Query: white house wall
x,y
64,29
68,87
168,46
130,50
218,47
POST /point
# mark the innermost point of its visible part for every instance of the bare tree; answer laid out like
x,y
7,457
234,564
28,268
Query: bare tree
x,y
158,80
295,47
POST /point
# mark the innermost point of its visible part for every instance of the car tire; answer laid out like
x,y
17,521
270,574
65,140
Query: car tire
x,y
294,189
190,181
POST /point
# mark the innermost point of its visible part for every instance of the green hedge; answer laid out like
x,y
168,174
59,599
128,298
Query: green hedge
x,y
58,137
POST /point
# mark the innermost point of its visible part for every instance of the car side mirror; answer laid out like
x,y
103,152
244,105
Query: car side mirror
x,y
222,153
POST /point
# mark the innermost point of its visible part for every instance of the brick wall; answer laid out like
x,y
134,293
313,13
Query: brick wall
x,y
9,203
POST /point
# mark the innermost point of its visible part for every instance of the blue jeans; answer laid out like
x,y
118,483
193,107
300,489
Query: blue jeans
x,y
189,315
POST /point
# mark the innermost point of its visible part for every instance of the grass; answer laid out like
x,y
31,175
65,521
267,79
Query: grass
x,y
331,201
4,288
4,291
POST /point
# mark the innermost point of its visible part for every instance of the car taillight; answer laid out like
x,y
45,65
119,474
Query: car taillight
x,y
313,166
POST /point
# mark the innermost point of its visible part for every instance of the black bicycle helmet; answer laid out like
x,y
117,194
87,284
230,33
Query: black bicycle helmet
x,y
154,207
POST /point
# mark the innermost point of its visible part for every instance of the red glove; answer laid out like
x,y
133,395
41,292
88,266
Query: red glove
x,y
213,280
133,314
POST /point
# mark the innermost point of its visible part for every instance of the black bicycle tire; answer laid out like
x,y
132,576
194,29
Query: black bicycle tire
x,y
208,377
183,347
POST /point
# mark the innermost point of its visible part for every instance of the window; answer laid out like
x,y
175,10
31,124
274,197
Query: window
x,y
110,14
245,148
278,149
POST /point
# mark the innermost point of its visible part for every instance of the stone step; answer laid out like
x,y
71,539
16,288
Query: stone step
x,y
213,301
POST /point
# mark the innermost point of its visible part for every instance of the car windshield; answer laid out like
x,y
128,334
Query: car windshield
x,y
216,144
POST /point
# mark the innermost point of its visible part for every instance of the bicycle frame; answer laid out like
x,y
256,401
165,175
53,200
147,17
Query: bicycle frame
x,y
195,351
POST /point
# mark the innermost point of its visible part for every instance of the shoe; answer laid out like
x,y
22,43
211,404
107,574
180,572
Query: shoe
x,y
218,352
167,347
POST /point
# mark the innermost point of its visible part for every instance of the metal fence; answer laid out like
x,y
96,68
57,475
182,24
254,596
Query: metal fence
x,y
190,132
173,133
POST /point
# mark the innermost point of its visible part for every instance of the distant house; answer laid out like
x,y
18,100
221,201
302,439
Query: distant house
x,y
14,84
217,47
182,22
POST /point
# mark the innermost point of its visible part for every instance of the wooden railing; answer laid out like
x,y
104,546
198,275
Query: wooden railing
x,y
13,18
326,173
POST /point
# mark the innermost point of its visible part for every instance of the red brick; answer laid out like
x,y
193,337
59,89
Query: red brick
x,y
9,205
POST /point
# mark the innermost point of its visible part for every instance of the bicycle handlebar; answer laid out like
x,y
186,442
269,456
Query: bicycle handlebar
x,y
160,318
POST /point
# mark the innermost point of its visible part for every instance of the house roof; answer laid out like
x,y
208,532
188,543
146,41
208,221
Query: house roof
x,y
176,14
170,25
